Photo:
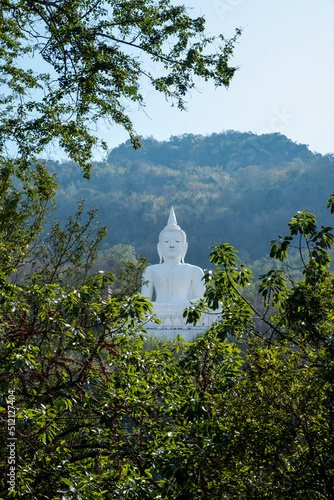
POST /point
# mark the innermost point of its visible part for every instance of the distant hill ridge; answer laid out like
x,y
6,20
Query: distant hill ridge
x,y
231,187
229,150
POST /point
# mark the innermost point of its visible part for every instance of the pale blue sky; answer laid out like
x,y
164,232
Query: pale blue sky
x,y
285,82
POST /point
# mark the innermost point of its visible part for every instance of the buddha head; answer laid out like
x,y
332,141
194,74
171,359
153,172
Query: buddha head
x,y
172,241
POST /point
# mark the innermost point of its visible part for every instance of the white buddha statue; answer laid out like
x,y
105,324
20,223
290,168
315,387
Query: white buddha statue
x,y
172,284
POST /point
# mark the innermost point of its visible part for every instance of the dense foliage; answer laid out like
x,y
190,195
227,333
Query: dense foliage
x,y
103,413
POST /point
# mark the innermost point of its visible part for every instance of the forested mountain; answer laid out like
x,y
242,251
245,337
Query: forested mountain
x,y
231,187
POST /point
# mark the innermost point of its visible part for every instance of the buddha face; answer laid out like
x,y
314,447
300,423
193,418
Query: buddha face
x,y
172,246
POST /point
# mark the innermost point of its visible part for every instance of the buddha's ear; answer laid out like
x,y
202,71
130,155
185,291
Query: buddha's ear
x,y
159,251
184,248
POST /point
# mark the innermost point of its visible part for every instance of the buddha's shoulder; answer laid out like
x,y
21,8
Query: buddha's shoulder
x,y
192,268
199,269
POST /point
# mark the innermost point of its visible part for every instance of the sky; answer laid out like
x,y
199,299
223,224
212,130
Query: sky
x,y
285,80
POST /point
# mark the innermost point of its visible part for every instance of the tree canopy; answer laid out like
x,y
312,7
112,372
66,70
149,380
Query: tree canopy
x,y
91,57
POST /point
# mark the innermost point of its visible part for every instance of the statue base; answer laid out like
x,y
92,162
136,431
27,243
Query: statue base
x,y
188,332
173,324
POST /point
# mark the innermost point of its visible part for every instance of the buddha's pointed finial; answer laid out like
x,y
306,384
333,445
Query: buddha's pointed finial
x,y
172,222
